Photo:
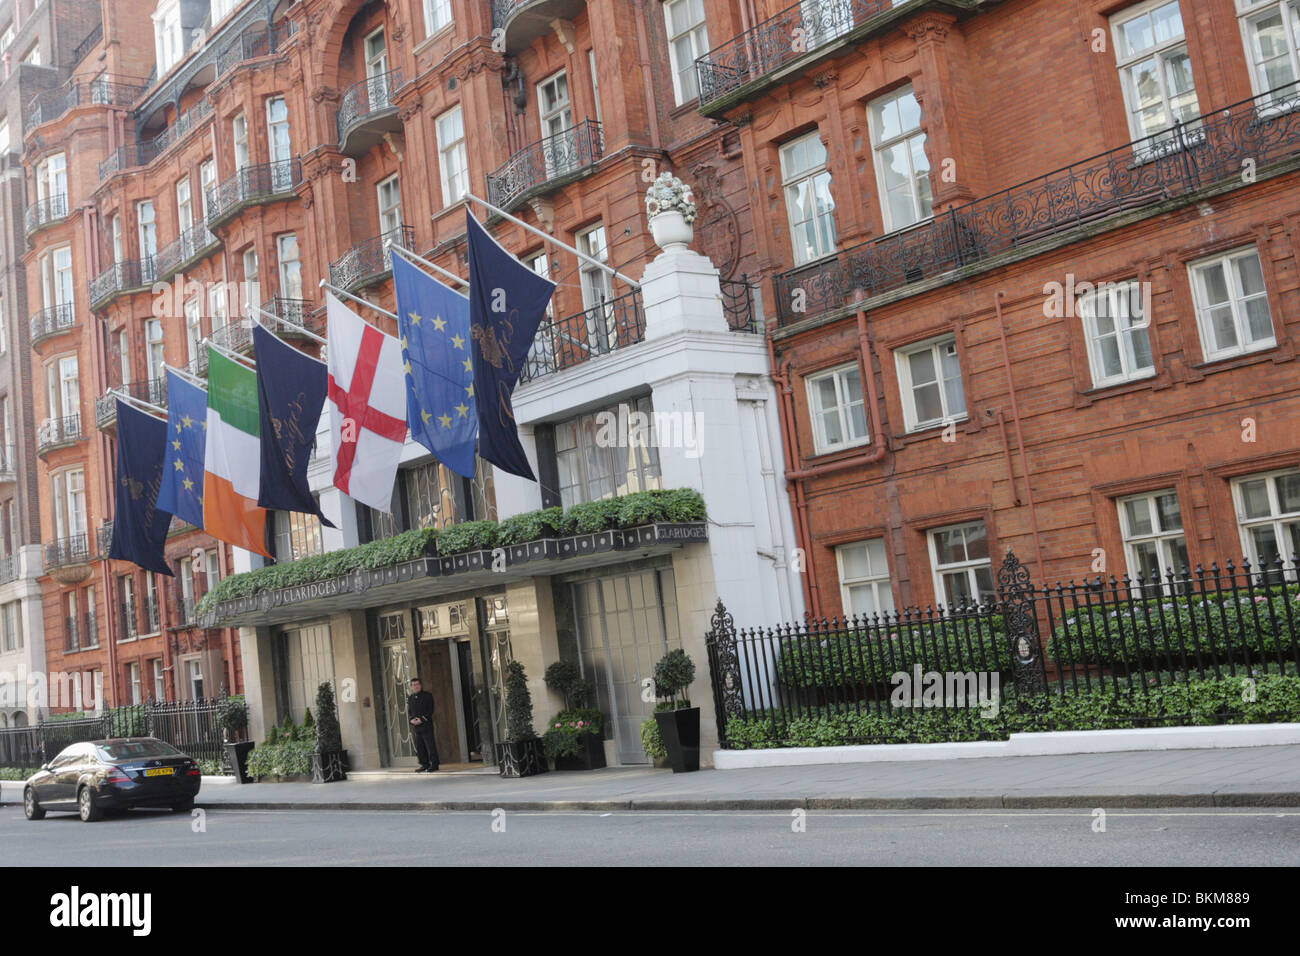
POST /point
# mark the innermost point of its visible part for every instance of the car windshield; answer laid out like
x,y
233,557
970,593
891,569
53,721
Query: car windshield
x,y
132,749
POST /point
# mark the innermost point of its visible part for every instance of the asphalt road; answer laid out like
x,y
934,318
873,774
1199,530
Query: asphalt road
x,y
554,838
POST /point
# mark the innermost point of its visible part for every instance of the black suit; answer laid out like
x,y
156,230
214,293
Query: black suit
x,y
421,705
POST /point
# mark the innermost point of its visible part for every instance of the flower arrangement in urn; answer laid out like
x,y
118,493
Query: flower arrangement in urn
x,y
670,208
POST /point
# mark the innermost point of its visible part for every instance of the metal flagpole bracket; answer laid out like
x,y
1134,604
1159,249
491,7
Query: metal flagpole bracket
x,y
408,254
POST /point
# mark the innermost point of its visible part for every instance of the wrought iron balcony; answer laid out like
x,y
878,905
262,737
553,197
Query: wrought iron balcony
x,y
186,123
266,182
294,311
236,335
185,610
72,635
57,433
46,212
797,32
523,21
102,90
152,390
8,464
52,321
104,538
8,568
255,42
85,46
128,626
151,616
67,551
90,630
564,343
546,165
192,244
369,261
1209,151
738,305
129,275
367,112
128,157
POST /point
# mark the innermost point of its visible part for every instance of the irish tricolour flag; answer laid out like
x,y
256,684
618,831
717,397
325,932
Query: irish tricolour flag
x,y
231,469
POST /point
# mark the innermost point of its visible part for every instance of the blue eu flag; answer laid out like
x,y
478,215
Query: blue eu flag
x,y
506,303
139,525
181,493
291,391
433,325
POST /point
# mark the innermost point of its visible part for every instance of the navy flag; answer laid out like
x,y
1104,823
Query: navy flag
x,y
291,391
506,303
433,326
181,493
139,526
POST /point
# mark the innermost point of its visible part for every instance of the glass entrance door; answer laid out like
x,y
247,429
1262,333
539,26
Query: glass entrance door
x,y
397,667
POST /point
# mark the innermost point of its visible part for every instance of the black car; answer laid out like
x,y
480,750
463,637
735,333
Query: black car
x,y
113,774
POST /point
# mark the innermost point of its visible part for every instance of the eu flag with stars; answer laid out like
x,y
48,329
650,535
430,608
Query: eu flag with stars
x,y
433,325
181,493
291,389
139,525
507,301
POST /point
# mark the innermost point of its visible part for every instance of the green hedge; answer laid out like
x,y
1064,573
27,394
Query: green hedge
x,y
638,508
1277,699
1165,631
280,759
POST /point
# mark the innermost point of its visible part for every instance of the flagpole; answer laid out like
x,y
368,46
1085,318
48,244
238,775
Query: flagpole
x,y
187,375
298,329
138,402
233,356
408,254
549,238
357,299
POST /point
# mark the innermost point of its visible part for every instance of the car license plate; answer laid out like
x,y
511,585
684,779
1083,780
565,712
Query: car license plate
x,y
159,772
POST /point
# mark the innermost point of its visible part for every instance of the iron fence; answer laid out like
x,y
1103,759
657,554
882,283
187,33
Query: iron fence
x,y
121,277
547,162
1213,148
600,330
252,184
74,549
370,258
372,95
185,247
192,726
1035,651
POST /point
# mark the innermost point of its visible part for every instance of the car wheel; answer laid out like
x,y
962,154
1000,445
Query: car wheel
x,y
87,806
183,807
31,808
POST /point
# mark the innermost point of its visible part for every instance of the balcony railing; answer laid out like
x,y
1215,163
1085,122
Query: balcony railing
x,y
546,164
294,311
67,551
185,610
793,33
72,633
128,626
259,41
605,328
56,432
522,21
152,390
184,125
102,90
1211,150
45,212
8,464
151,617
368,260
53,320
90,630
8,568
104,538
87,44
362,105
252,184
125,276
128,157
184,249
236,335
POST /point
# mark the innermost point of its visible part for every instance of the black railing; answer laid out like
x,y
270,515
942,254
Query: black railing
x,y
124,276
128,157
363,99
546,164
152,619
1122,643
104,538
779,40
86,45
184,248
236,335
8,463
1212,149
54,432
294,311
738,305
250,185
600,330
89,630
253,43
102,90
369,259
8,568
53,320
65,551
72,634
153,390
128,627
185,610
45,211
188,121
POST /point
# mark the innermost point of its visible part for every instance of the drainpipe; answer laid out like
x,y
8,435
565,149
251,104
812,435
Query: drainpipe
x,y
782,378
1020,438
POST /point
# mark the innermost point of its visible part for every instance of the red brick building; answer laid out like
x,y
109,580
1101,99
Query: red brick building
x,y
953,386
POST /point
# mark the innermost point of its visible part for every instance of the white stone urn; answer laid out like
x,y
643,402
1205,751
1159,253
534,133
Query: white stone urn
x,y
670,208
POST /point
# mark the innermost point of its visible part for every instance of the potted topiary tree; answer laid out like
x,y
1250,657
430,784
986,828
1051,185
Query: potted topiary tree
x,y
234,724
521,754
679,725
575,737
329,761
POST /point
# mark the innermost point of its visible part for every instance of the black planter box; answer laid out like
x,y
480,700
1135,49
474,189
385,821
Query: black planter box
x,y
521,760
329,767
590,756
237,758
680,730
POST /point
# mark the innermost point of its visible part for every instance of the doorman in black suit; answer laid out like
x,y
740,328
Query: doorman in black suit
x,y
419,709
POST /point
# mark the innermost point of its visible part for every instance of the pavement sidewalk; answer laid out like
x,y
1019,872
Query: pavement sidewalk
x,y
1222,777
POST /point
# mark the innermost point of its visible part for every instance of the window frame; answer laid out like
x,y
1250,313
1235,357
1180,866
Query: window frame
x,y
1160,536
1236,300
843,406
692,35
817,178
970,566
1249,10
1277,519
1084,309
878,149
875,580
907,389
455,186
431,10
1158,51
